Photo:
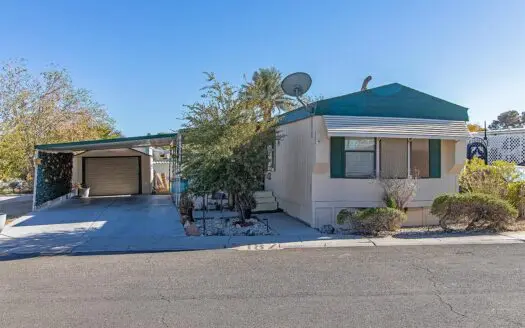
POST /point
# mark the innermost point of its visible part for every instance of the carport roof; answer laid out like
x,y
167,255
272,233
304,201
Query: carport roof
x,y
129,142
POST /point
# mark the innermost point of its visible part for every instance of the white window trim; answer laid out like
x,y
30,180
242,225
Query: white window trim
x,y
409,160
378,159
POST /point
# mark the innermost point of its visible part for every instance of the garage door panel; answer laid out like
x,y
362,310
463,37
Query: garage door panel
x,y
112,175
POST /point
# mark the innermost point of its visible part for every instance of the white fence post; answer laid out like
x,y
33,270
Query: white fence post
x,y
35,177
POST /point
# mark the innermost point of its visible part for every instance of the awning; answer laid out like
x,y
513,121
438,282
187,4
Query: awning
x,y
394,127
130,142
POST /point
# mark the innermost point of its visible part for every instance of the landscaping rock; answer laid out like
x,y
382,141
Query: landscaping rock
x,y
231,227
185,218
192,230
327,228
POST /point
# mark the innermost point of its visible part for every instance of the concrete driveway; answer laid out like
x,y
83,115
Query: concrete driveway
x,y
110,224
16,205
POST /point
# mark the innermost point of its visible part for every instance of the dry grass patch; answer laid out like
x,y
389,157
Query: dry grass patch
x,y
518,226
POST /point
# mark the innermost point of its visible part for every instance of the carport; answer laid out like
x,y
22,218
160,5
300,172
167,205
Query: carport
x,y
109,167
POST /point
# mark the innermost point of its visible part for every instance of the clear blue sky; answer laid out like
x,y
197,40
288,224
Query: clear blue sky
x,y
144,59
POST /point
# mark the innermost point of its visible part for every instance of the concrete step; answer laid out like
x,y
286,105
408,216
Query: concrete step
x,y
265,200
261,207
263,194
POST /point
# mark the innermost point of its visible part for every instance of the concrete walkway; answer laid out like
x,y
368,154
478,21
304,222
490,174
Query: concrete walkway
x,y
286,225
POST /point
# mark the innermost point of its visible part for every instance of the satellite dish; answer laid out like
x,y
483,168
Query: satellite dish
x,y
296,84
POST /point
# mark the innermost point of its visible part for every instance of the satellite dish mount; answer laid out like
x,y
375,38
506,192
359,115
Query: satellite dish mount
x,y
296,85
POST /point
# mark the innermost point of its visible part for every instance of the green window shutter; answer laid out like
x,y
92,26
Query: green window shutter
x,y
434,151
337,160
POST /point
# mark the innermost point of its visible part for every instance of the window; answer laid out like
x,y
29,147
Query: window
x,y
359,157
271,155
394,158
420,158
356,157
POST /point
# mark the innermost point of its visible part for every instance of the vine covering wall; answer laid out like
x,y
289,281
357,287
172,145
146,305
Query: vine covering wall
x,y
53,176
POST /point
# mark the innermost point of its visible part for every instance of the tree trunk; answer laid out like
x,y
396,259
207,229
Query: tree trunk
x,y
244,206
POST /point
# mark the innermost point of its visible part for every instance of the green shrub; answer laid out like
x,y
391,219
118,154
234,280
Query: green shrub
x,y
516,197
495,179
344,216
390,202
476,211
373,221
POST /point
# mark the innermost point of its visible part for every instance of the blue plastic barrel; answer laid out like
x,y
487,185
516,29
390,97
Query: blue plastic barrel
x,y
179,185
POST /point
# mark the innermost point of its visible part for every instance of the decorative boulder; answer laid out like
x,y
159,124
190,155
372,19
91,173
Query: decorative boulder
x,y
327,228
186,218
192,230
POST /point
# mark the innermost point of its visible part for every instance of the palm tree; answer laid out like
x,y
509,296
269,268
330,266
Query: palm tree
x,y
265,91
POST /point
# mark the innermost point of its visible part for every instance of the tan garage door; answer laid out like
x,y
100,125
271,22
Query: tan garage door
x,y
112,175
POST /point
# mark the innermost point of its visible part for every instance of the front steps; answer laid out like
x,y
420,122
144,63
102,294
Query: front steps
x,y
266,201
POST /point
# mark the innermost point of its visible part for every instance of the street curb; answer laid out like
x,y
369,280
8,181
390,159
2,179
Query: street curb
x,y
249,244
496,239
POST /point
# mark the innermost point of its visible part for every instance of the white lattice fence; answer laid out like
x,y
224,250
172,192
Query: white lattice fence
x,y
161,169
507,147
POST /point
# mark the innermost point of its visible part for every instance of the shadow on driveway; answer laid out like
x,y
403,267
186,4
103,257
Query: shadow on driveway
x,y
93,225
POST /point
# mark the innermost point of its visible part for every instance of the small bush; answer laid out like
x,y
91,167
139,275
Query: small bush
x,y
390,202
373,221
15,186
495,179
516,197
344,216
476,211
399,192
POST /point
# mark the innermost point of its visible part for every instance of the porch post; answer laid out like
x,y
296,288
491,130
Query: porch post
x,y
151,171
35,177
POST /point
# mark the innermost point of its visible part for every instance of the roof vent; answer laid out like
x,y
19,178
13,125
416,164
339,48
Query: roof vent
x,y
365,83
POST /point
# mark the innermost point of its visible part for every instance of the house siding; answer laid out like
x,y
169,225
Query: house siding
x,y
304,189
291,180
329,195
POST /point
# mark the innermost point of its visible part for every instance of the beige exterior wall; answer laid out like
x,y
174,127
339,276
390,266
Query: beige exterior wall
x,y
145,164
302,185
329,196
420,216
291,181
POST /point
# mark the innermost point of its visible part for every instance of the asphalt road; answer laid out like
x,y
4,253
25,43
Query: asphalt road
x,y
460,286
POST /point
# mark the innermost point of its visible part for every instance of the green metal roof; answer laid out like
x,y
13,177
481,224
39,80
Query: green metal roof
x,y
391,100
129,142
